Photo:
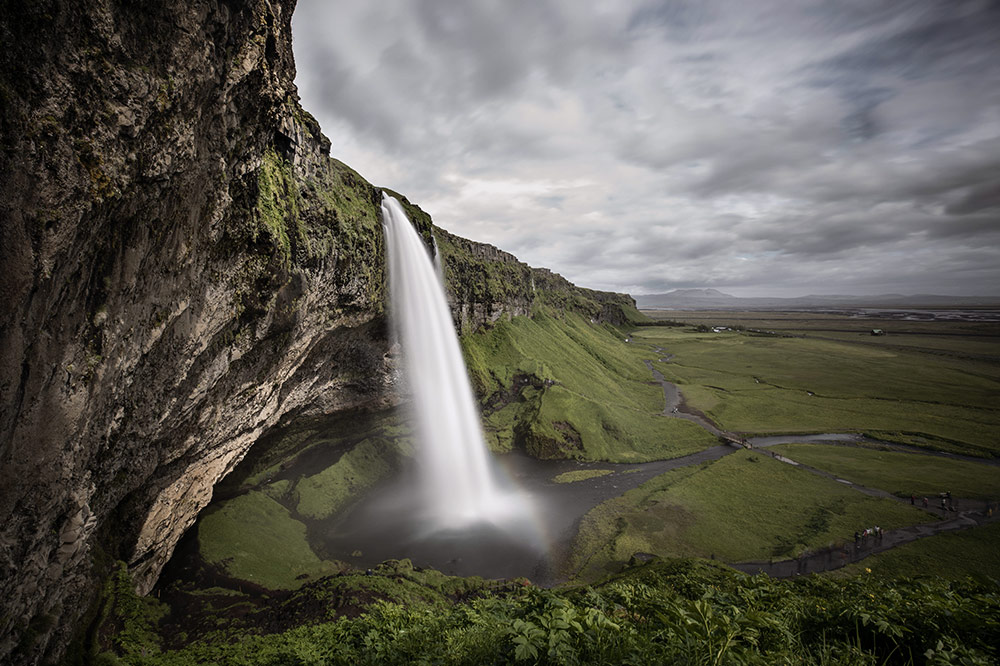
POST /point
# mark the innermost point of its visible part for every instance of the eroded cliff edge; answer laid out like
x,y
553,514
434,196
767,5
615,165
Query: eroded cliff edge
x,y
183,266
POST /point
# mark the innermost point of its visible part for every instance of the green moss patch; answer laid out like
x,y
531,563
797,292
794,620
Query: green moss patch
x,y
254,538
323,494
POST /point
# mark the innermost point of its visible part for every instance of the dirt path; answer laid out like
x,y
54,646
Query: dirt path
x,y
828,559
972,512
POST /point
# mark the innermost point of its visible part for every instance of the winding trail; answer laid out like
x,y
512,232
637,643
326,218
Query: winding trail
x,y
971,514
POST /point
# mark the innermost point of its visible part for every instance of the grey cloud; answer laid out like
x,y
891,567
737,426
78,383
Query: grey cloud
x,y
977,198
941,39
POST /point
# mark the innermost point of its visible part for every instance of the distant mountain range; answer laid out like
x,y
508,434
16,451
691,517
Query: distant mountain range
x,y
703,299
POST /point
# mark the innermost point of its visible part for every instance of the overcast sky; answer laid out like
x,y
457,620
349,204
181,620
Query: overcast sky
x,y
761,147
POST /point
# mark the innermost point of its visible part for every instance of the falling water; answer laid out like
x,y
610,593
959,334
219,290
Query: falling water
x,y
459,483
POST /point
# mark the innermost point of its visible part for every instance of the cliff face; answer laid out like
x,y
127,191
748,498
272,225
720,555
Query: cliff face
x,y
486,284
182,268
182,265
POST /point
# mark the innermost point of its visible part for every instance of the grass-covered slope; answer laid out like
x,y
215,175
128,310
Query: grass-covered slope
x,y
675,612
562,385
254,538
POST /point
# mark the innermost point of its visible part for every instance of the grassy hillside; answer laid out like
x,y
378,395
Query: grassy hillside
x,y
565,386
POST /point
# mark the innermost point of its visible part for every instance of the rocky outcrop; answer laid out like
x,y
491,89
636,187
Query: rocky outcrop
x,y
183,267
486,284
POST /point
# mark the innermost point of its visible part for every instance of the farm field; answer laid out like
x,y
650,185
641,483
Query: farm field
x,y
795,381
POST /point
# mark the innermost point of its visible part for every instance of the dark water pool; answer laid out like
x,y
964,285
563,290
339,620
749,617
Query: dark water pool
x,y
385,524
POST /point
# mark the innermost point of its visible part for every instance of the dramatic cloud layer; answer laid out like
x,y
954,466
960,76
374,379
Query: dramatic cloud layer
x,y
762,148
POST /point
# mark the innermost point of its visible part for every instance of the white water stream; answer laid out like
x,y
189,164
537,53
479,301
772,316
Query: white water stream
x,y
460,486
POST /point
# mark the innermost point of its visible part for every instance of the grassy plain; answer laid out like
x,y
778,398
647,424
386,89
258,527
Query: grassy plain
x,y
765,384
900,473
567,387
744,506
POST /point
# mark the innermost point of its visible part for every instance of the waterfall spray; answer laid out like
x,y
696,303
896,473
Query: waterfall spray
x,y
459,483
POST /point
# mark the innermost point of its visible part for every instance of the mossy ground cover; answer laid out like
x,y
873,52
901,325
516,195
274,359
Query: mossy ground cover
x,y
683,611
323,494
972,553
568,387
744,506
900,473
303,474
760,384
254,538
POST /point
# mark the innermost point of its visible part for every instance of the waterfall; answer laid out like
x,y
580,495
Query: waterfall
x,y
459,484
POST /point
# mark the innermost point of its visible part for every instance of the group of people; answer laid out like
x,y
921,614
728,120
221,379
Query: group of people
x,y
861,538
947,504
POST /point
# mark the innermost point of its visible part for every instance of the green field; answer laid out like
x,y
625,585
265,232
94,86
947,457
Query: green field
x,y
769,384
900,473
744,506
564,387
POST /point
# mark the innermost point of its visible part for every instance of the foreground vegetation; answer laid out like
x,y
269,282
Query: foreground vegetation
x,y
681,611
